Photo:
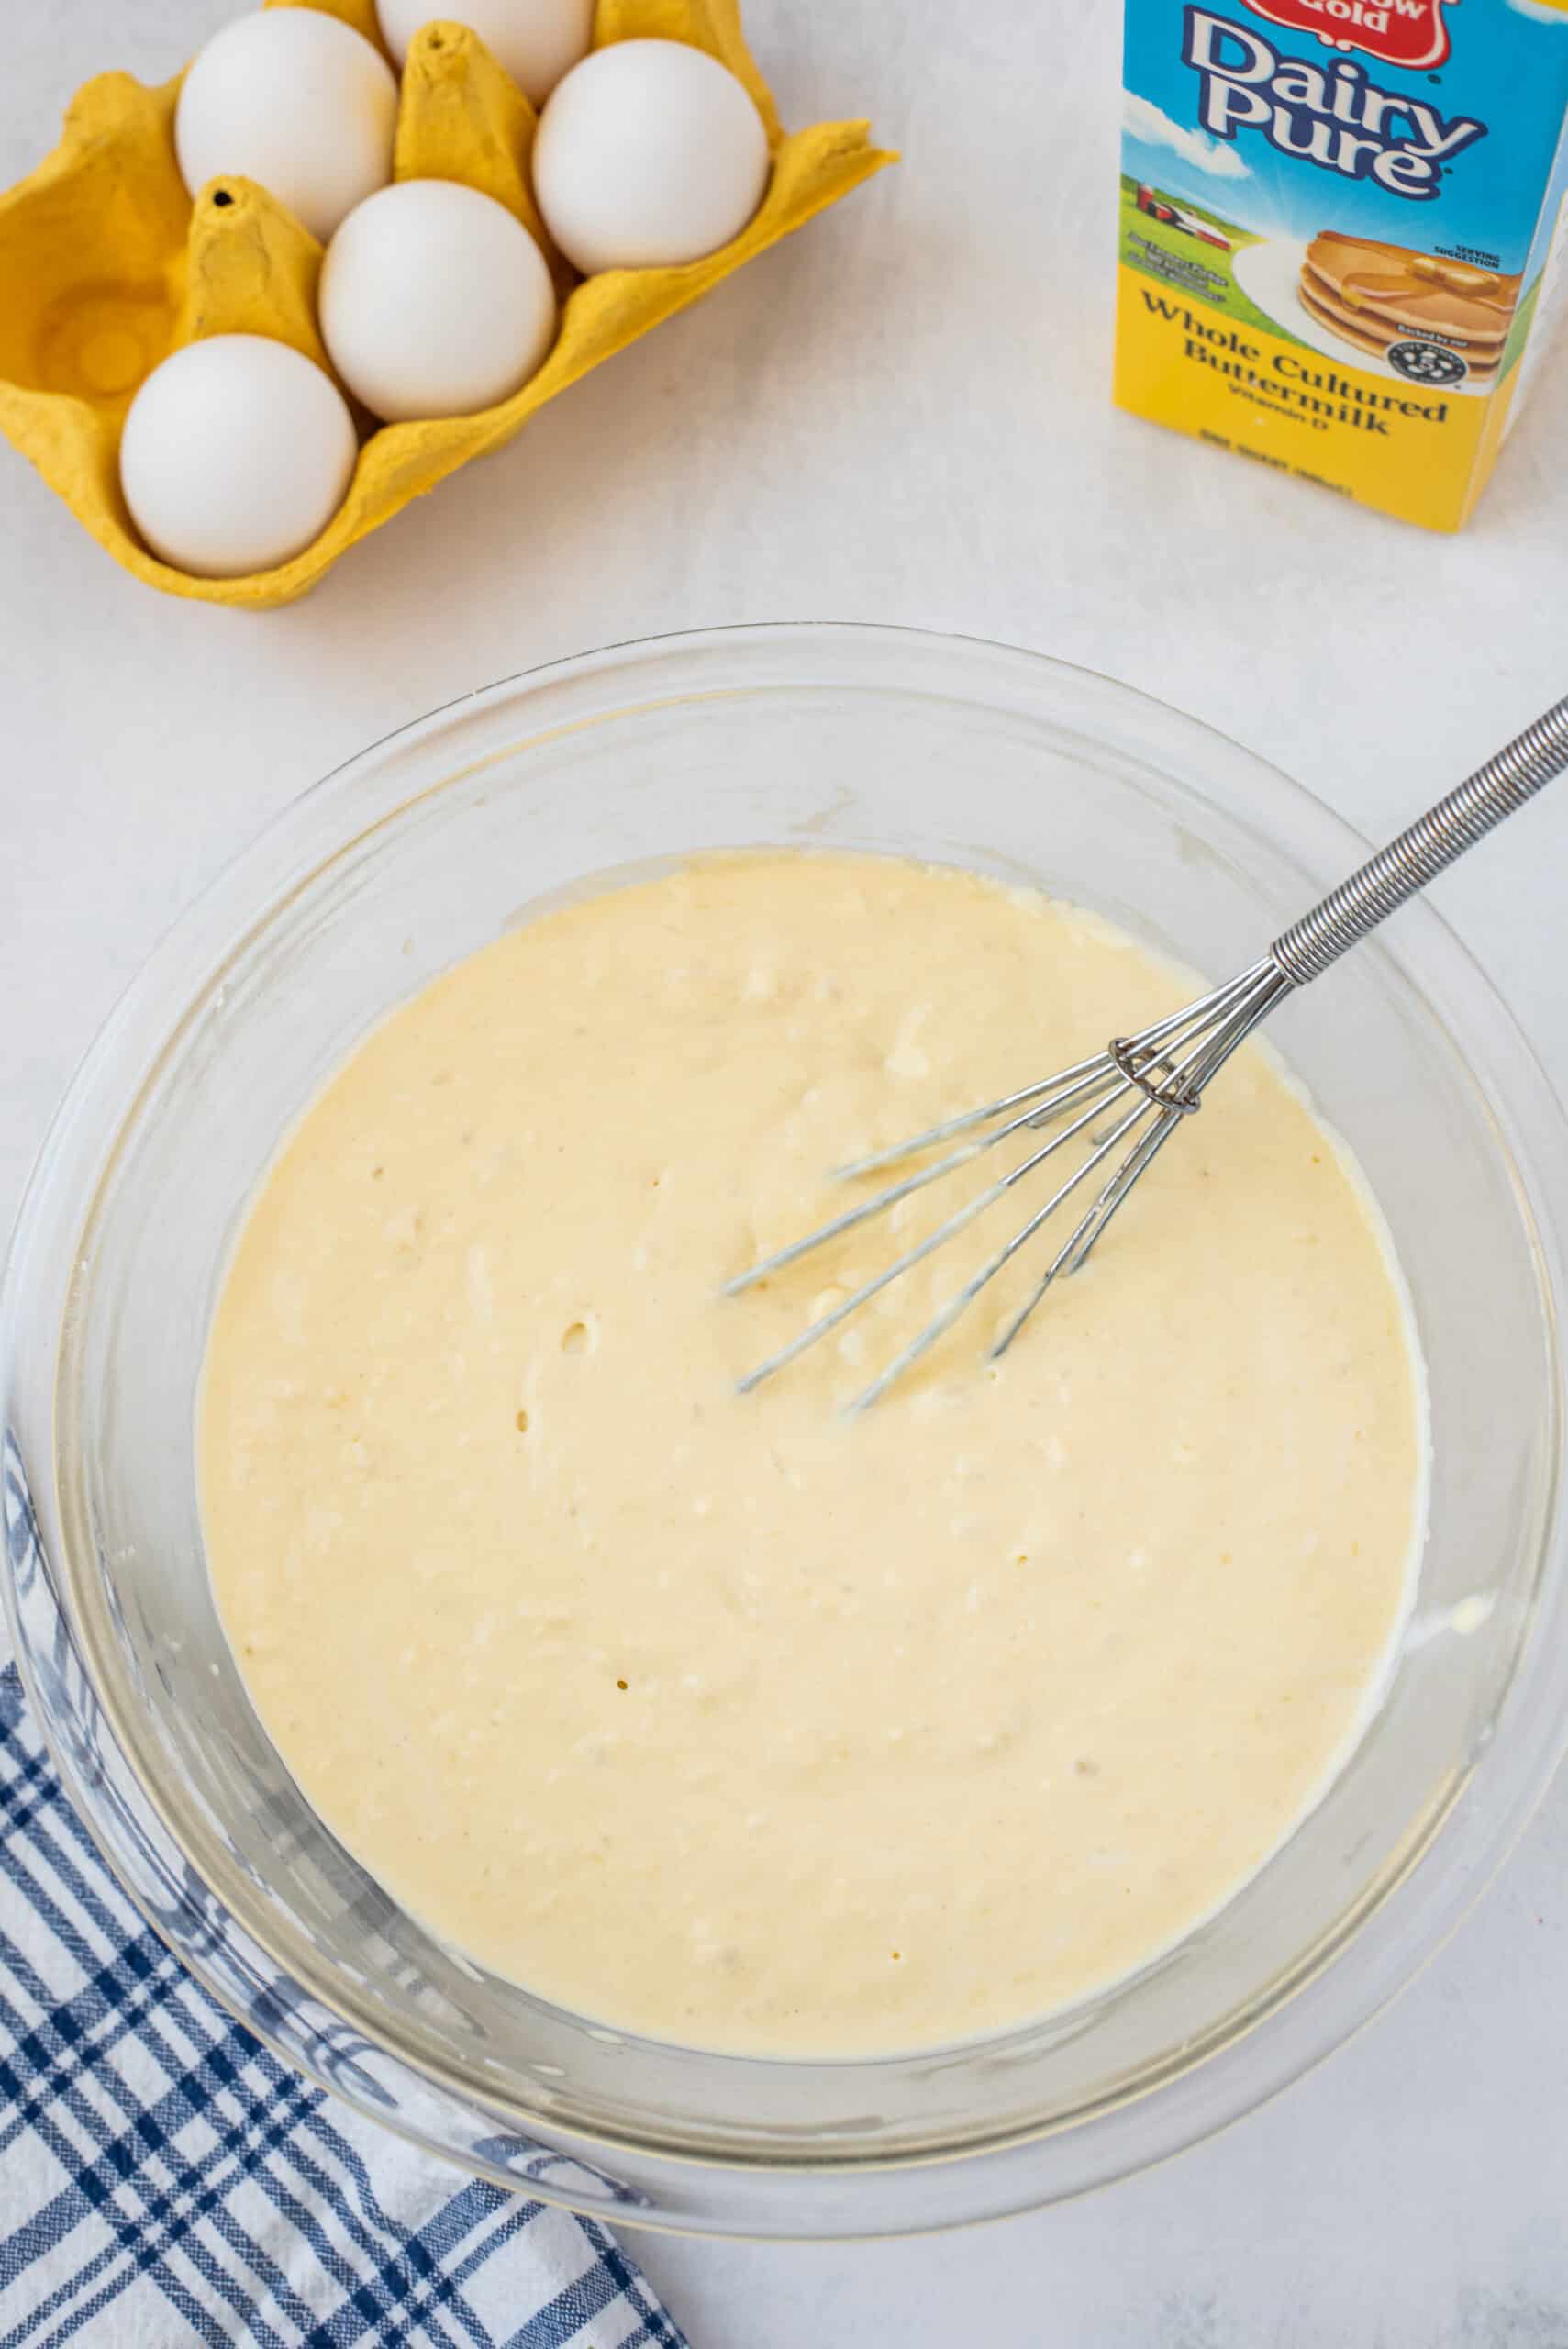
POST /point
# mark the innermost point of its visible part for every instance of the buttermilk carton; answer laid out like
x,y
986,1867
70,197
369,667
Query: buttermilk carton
x,y
1344,233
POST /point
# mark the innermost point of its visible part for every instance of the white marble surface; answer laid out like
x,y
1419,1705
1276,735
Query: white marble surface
x,y
902,415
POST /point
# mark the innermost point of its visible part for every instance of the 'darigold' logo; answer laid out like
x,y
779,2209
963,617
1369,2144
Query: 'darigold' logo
x,y
1400,32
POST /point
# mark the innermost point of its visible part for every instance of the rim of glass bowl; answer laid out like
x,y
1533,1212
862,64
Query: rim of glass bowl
x,y
1299,2017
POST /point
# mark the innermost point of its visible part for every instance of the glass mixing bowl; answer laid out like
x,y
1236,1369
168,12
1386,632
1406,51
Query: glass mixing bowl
x,y
418,852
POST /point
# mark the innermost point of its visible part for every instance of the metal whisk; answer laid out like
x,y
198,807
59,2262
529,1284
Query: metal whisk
x,y
1160,1074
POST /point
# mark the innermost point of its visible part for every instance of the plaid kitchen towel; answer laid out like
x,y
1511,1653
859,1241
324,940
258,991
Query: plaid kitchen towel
x,y
164,2179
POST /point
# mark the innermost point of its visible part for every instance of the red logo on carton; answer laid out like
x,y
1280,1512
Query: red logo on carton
x,y
1401,32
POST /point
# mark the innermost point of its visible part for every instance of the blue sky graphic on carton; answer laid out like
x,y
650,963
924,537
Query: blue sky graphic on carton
x,y
1509,72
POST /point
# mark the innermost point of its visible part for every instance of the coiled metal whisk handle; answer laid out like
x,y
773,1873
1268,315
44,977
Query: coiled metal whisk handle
x,y
1144,1086
1424,848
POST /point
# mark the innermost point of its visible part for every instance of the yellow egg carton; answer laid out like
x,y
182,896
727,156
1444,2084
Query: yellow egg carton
x,y
107,266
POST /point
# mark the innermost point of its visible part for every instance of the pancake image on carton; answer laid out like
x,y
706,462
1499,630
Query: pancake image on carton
x,y
1379,296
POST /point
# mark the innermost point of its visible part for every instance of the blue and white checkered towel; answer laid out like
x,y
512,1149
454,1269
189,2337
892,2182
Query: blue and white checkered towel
x,y
164,2179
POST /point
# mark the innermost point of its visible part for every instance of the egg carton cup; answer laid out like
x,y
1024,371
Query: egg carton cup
x,y
106,265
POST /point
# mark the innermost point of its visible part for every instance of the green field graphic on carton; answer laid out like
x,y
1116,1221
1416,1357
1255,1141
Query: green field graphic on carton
x,y
1183,263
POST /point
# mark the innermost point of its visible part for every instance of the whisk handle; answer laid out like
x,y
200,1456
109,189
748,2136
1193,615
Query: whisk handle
x,y
1424,848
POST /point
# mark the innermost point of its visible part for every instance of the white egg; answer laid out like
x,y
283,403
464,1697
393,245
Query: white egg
x,y
434,301
536,40
649,153
235,454
295,99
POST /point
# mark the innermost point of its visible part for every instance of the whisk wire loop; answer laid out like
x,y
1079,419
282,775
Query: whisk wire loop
x,y
1160,1074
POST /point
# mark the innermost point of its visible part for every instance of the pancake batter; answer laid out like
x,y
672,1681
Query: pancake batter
x,y
725,1718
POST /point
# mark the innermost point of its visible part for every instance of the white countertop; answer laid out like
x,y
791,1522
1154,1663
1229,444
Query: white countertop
x,y
901,415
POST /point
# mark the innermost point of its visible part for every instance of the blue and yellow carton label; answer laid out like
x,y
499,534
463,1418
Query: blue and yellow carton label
x,y
1344,233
